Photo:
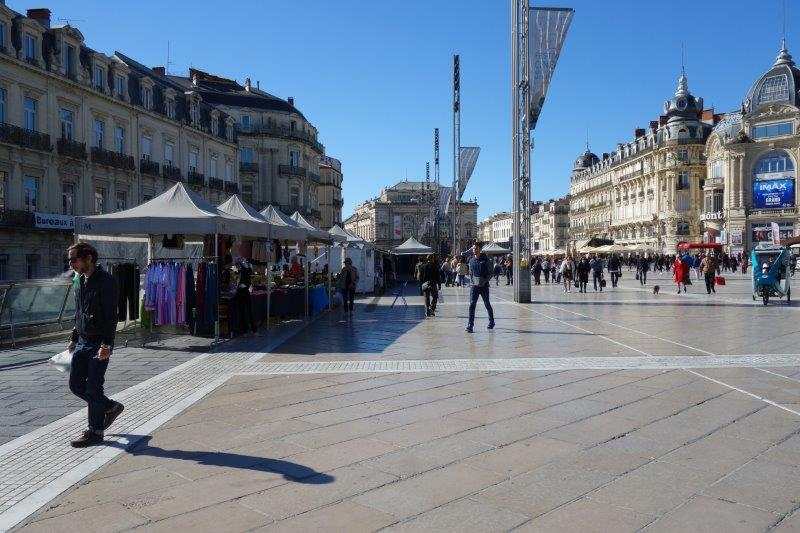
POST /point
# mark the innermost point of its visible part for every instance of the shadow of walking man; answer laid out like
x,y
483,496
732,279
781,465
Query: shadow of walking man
x,y
139,445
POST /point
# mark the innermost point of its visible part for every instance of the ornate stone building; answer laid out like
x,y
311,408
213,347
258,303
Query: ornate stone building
x,y
649,191
278,147
752,158
550,225
82,132
329,192
403,211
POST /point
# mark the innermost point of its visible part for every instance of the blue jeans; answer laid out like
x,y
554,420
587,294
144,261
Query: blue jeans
x,y
86,378
475,293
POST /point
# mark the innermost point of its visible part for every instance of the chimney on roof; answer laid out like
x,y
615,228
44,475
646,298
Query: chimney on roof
x,y
258,84
161,71
247,84
40,15
639,132
291,100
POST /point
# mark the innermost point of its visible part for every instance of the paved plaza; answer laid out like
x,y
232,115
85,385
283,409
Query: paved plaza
x,y
617,411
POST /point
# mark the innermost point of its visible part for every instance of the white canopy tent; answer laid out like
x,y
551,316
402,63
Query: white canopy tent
x,y
360,252
315,234
495,249
338,231
176,210
289,229
412,247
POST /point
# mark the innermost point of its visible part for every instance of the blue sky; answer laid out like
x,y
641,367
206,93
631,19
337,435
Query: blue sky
x,y
375,77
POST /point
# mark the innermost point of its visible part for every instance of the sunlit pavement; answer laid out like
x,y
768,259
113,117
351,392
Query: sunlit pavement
x,y
607,412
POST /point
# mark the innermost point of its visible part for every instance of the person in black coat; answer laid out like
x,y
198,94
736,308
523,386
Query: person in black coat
x,y
430,283
583,273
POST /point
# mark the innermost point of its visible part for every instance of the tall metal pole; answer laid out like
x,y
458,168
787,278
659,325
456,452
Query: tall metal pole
x,y
456,149
520,133
436,214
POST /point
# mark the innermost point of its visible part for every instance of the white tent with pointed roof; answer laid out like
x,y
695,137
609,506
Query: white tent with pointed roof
x,y
315,233
412,247
289,229
350,238
495,249
176,210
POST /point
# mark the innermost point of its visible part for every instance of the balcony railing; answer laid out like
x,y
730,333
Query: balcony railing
x,y
171,173
231,187
316,178
70,148
14,218
248,167
216,184
149,167
196,178
25,138
289,170
113,159
284,133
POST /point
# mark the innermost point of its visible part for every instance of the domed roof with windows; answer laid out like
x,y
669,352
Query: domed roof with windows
x,y
585,160
684,105
779,85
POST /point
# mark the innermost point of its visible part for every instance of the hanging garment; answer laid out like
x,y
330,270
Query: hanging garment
x,y
180,296
127,278
190,297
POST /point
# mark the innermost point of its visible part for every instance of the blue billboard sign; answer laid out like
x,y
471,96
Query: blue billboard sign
x,y
773,194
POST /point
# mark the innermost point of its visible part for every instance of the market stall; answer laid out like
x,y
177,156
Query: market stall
x,y
360,252
495,249
180,293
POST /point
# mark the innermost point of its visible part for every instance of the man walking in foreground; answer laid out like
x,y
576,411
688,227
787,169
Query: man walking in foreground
x,y
92,340
480,269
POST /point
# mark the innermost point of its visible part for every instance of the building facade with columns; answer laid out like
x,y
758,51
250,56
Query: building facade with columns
x,y
649,192
550,225
279,151
85,133
329,192
404,210
752,158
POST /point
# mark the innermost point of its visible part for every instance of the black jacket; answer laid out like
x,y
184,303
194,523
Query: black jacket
x,y
96,308
430,272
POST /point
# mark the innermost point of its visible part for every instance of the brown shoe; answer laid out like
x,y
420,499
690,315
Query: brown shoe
x,y
112,414
88,438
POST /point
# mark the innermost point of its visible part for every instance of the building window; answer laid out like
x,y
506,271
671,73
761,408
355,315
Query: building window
x,y
147,147
215,127
682,202
293,126
69,68
99,200
2,35
247,193
119,139
775,89
171,108
246,154
3,188
68,198
682,228
122,200
246,124
30,106
294,158
212,166
147,97
99,133
683,155
228,171
717,200
119,86
30,193
772,130
718,169
683,181
32,266
3,267
3,96
772,163
29,46
294,198
169,153
97,77
194,156
67,118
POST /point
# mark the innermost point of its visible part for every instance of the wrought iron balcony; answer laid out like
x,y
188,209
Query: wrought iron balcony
x,y
289,170
70,148
149,167
231,187
25,138
284,133
248,167
113,159
13,218
196,178
316,178
171,173
216,184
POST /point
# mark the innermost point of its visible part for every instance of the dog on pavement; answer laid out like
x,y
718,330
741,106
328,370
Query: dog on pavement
x,y
656,288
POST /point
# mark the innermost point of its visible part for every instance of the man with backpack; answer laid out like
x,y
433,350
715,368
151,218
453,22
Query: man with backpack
x,y
480,269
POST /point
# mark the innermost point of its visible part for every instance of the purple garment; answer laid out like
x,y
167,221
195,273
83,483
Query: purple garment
x,y
180,296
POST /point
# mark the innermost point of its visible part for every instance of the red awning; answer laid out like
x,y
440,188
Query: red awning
x,y
699,246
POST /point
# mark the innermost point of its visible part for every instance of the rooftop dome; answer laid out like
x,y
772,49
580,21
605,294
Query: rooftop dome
x,y
683,105
585,160
779,85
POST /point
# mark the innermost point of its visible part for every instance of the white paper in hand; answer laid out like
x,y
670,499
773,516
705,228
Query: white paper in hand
x,y
62,361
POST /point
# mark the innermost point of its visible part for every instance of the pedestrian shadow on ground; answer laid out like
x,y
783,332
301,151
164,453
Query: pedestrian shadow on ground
x,y
139,446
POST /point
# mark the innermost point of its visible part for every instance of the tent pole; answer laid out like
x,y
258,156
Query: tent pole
x,y
330,296
269,292
305,273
